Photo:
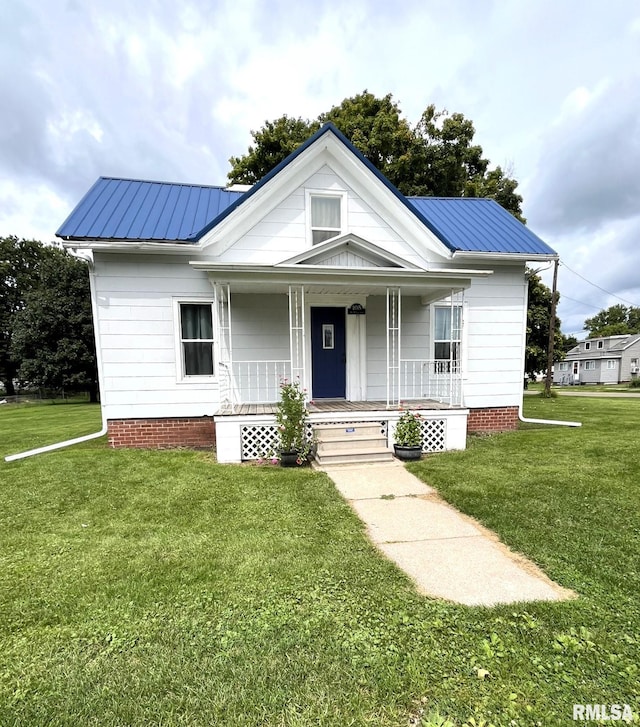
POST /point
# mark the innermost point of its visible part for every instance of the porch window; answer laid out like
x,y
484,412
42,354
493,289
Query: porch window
x,y
196,338
447,337
326,217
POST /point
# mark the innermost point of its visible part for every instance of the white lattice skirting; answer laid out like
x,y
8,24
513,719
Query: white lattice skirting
x,y
243,438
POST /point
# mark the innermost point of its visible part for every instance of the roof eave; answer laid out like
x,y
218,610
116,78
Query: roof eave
x,y
213,266
136,246
506,256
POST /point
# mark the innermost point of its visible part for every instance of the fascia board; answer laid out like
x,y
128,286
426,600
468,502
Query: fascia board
x,y
334,272
499,257
134,246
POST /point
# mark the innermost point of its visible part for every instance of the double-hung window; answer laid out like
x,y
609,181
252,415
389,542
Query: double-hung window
x,y
196,338
611,363
325,216
447,338
590,366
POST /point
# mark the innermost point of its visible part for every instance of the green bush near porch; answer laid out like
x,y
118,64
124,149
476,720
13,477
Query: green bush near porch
x,y
148,588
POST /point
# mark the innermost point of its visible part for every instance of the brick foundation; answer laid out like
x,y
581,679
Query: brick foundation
x,y
195,433
492,420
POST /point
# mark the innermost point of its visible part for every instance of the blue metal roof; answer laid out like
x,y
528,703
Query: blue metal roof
x,y
127,209
475,224
130,209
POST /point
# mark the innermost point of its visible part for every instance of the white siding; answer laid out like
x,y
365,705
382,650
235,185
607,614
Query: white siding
x,y
138,337
260,325
495,308
376,348
282,232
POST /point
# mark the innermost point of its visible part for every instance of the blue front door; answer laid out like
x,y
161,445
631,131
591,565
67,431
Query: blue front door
x,y
328,353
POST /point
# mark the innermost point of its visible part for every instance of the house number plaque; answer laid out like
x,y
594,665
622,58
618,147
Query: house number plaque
x,y
356,310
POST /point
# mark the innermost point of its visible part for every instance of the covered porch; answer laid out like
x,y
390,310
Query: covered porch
x,y
364,340
379,336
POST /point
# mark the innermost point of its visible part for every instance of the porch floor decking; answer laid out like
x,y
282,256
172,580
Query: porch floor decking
x,y
336,405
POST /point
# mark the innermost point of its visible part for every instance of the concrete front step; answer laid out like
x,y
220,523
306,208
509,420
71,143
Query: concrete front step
x,y
352,442
355,457
326,432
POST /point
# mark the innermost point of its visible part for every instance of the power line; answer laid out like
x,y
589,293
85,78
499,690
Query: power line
x,y
595,285
589,305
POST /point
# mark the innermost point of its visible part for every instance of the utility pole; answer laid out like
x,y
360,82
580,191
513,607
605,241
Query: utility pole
x,y
552,329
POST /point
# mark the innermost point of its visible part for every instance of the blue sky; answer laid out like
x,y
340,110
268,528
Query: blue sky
x,y
166,90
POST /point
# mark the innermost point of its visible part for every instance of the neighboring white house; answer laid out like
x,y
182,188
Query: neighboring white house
x,y
605,360
205,298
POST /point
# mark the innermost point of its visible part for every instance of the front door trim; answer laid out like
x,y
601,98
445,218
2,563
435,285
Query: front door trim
x,y
356,341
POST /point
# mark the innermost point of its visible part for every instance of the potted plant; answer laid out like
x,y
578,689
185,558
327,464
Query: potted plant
x,y
408,436
292,417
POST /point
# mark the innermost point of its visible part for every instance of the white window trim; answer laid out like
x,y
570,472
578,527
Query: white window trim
x,y
600,344
587,345
611,363
340,194
181,377
432,329
564,366
589,365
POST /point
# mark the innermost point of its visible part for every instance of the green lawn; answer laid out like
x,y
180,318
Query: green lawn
x,y
159,588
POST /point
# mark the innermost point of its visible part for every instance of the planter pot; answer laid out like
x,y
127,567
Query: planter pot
x,y
407,454
290,459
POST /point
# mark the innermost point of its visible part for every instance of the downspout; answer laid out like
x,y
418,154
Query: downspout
x,y
521,417
96,331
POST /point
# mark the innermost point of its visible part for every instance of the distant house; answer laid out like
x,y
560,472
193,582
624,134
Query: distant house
x,y
608,360
205,298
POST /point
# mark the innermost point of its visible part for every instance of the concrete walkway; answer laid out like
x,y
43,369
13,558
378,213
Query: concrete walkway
x,y
447,554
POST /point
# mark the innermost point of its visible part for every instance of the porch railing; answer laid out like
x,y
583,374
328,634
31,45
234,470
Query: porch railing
x,y
258,382
438,380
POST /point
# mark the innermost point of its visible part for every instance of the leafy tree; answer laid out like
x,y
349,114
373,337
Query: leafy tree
x,y
538,319
273,143
20,262
53,334
568,342
614,321
436,157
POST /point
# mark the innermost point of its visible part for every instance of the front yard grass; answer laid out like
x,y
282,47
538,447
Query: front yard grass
x,y
159,588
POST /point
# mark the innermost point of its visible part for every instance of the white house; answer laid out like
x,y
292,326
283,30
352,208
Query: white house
x,y
603,360
205,298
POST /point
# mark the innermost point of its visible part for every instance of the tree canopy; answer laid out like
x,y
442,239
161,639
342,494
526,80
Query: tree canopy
x,y
46,327
538,319
614,321
20,262
434,157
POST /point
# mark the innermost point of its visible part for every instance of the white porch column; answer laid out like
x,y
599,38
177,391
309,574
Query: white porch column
x,y
297,333
393,345
224,349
